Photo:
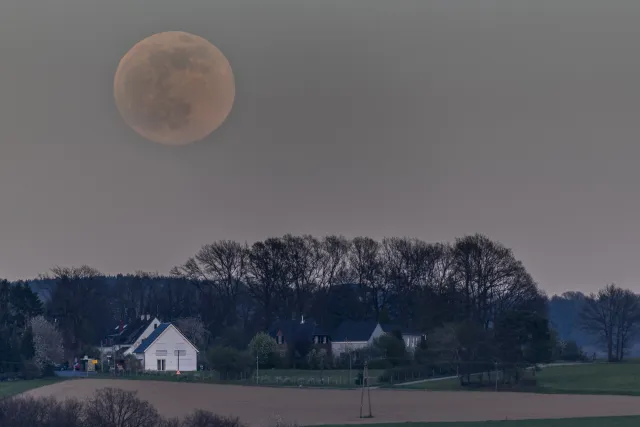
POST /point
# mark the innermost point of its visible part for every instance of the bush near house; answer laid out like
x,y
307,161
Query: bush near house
x,y
229,361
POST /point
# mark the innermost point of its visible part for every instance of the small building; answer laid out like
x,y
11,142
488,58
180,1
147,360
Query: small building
x,y
355,335
287,332
167,349
128,334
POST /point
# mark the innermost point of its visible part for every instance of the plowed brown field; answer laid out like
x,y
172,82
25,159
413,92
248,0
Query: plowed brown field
x,y
260,405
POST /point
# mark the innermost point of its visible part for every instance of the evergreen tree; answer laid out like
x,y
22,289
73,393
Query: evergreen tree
x,y
27,350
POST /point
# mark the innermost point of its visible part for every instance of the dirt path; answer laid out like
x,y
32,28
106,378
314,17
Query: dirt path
x,y
258,405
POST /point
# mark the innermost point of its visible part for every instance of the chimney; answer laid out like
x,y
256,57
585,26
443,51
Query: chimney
x,y
302,320
148,317
142,317
121,326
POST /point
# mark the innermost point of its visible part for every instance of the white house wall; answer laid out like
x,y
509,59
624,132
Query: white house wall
x,y
412,341
142,336
377,332
340,347
164,348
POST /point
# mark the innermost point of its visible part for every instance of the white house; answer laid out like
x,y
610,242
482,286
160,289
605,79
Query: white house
x,y
354,335
167,349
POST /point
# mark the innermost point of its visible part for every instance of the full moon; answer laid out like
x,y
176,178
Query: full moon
x,y
174,88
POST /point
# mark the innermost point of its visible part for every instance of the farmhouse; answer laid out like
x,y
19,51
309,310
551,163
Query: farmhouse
x,y
167,349
354,335
288,332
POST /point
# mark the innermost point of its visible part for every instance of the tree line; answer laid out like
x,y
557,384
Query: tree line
x,y
472,298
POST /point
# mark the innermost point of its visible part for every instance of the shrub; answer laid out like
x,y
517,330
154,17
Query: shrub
x,y
47,342
29,370
208,419
262,346
43,412
318,359
112,407
108,408
380,364
393,348
227,360
571,352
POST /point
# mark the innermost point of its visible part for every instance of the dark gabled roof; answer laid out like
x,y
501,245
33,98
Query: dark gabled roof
x,y
354,330
151,338
130,333
294,329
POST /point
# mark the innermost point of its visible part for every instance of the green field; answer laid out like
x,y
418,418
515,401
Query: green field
x,y
11,388
333,378
572,422
595,378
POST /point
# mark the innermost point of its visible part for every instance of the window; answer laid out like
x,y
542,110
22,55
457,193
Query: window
x,y
161,364
155,326
161,352
315,340
324,340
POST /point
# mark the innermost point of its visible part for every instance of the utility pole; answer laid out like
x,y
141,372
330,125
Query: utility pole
x,y
365,380
179,353
349,353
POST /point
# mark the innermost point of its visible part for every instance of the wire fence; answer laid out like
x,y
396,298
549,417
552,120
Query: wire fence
x,y
394,372
465,371
283,377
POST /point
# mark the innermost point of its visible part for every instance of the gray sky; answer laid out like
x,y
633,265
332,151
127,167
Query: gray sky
x,y
425,118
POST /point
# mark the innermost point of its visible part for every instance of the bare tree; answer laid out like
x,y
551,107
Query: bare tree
x,y
303,255
222,264
628,321
194,330
612,316
490,280
47,342
268,277
598,317
334,261
406,263
73,273
219,271
367,269
119,408
80,304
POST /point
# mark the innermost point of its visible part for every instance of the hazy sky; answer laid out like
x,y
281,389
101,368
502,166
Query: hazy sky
x,y
425,118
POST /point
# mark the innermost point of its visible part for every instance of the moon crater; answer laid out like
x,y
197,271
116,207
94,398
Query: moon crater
x,y
174,88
